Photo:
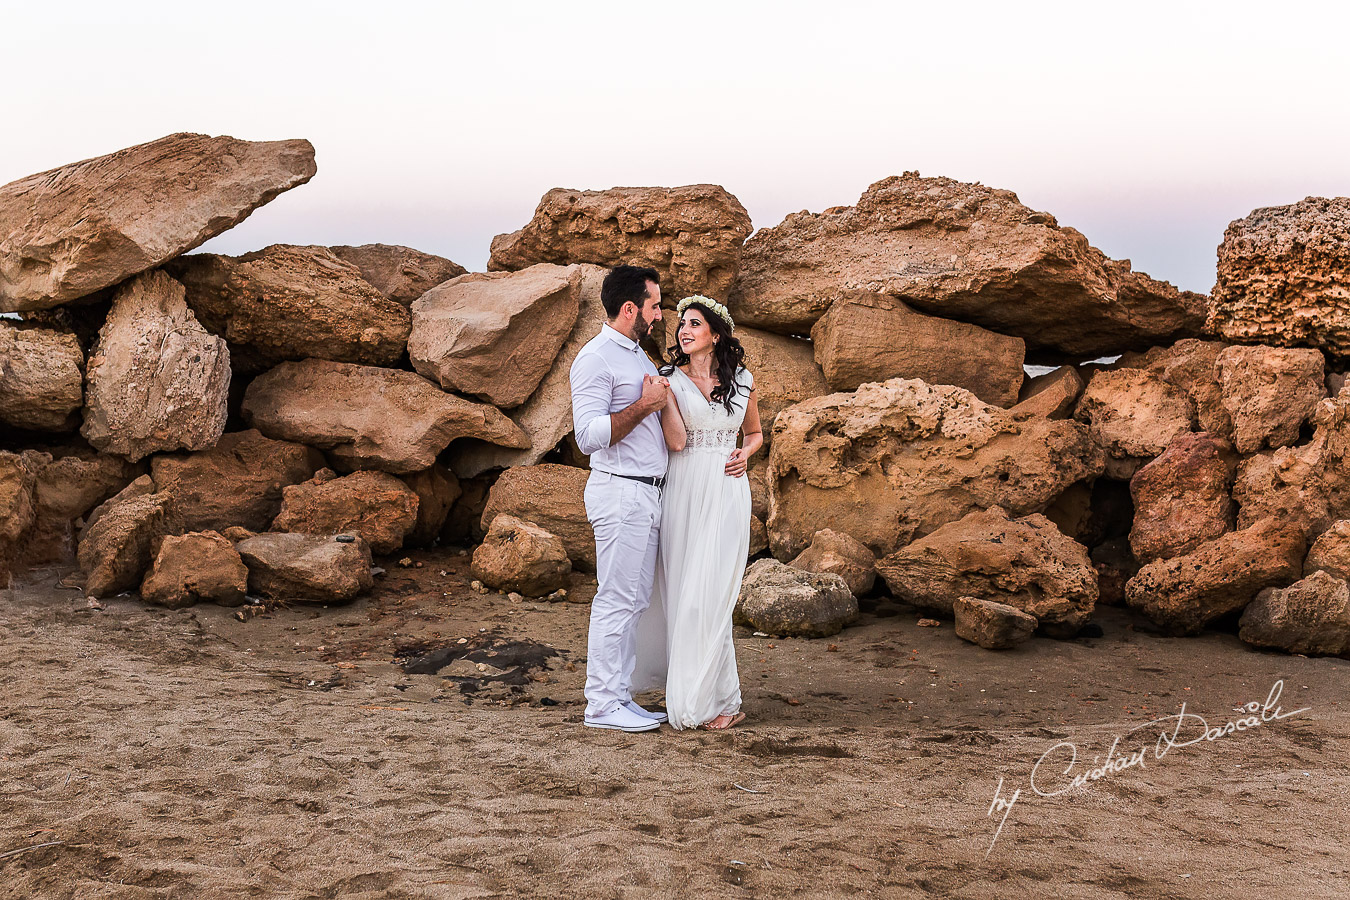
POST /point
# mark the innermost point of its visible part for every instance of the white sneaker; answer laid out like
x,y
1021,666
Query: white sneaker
x,y
645,713
620,719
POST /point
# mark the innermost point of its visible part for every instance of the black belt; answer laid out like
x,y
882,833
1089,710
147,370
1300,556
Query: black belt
x,y
656,481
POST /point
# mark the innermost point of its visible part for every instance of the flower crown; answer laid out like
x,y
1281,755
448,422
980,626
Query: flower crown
x,y
712,306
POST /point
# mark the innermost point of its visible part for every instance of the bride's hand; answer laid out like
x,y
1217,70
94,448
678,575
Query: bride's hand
x,y
737,463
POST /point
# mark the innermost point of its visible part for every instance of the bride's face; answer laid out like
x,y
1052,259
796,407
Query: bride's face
x,y
695,335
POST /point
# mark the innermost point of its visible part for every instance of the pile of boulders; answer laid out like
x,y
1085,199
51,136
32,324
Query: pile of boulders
x,y
204,427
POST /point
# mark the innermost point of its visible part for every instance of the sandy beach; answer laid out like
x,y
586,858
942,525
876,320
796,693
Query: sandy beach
x,y
176,754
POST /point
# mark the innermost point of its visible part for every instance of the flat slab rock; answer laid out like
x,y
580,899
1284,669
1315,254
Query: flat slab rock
x,y
307,568
74,230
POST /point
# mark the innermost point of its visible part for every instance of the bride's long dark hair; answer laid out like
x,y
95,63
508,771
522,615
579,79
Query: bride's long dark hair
x,y
728,356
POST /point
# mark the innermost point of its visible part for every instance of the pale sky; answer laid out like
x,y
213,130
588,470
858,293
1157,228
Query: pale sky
x,y
1147,126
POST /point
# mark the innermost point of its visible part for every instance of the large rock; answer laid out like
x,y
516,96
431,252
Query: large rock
x,y
691,235
401,273
872,337
1024,562
309,568
781,600
122,539
547,415
1330,553
41,378
897,460
1308,485
552,497
1181,499
1185,593
68,486
1311,616
785,373
1133,414
1268,393
71,231
992,625
965,252
288,303
237,482
832,552
1284,276
375,505
495,335
437,489
195,567
367,417
157,380
17,509
1192,366
1052,395
520,556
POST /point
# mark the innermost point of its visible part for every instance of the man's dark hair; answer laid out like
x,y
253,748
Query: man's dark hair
x,y
624,284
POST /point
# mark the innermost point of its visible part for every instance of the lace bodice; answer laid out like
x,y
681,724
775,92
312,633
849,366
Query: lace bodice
x,y
708,424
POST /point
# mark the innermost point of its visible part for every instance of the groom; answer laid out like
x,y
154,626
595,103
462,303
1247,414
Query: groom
x,y
617,396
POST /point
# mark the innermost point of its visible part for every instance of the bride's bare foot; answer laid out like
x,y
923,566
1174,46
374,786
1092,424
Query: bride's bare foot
x,y
724,721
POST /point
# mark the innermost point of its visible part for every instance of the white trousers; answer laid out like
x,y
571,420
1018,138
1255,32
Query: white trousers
x,y
626,518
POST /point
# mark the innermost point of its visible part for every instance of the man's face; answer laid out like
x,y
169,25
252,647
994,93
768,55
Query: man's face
x,y
649,316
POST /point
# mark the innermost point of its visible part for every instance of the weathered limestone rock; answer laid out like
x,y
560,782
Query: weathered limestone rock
x,y
1052,395
785,373
157,380
691,235
1181,499
897,460
872,337
464,524
1269,392
782,600
992,625
41,378
1024,562
17,509
236,482
309,568
1330,553
368,417
437,490
1185,593
67,488
1311,617
965,252
1133,414
1115,565
759,537
547,415
758,474
832,552
288,303
1308,485
122,539
520,556
495,335
552,497
1284,277
1193,367
401,273
375,505
71,231
195,567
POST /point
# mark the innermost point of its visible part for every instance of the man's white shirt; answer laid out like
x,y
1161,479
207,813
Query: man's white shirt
x,y
606,378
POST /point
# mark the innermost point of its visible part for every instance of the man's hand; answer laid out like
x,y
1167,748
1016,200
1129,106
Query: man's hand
x,y
737,463
655,391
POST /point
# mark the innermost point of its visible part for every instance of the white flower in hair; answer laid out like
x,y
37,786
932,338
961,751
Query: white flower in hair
x,y
712,305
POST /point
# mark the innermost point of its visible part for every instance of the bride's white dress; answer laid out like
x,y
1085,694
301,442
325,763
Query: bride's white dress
x,y
684,638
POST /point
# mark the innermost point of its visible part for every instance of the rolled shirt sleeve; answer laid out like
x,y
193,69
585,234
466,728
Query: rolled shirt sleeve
x,y
592,388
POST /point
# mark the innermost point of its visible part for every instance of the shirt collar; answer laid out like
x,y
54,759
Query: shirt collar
x,y
619,337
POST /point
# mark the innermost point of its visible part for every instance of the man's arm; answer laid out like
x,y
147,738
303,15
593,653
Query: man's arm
x,y
592,387
654,394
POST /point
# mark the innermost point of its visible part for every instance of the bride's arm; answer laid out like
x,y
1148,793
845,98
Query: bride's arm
x,y
672,424
752,438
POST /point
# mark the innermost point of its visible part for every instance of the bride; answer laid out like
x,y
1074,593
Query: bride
x,y
685,638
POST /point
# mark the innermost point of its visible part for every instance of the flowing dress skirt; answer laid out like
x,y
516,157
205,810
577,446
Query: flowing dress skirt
x,y
705,536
